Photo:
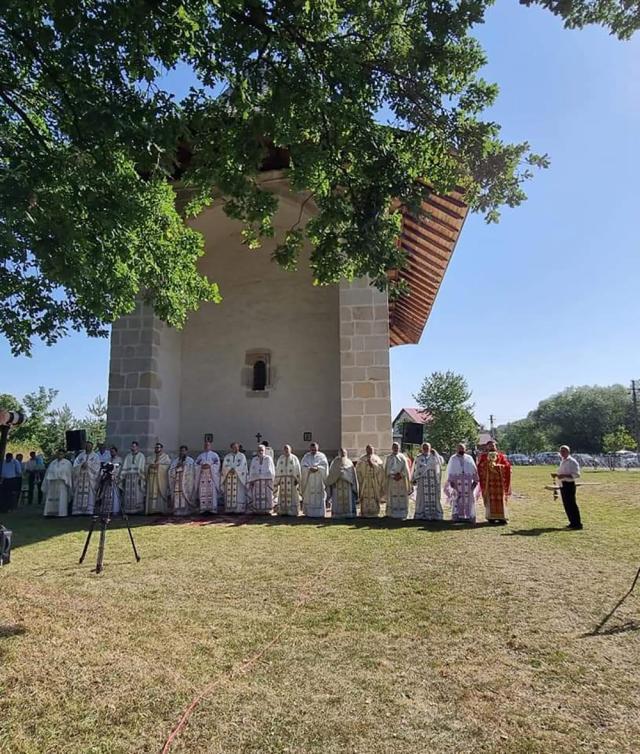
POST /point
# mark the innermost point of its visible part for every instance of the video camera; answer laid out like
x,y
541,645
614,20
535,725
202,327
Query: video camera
x,y
107,469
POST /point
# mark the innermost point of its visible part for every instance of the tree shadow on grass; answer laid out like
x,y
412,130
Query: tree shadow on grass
x,y
630,625
358,522
29,526
535,532
15,629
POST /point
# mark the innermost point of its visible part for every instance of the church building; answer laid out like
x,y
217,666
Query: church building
x,y
278,359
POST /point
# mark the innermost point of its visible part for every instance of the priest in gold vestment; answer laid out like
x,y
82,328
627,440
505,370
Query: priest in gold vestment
x,y
370,473
157,488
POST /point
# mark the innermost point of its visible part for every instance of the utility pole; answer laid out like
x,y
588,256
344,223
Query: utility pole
x,y
635,388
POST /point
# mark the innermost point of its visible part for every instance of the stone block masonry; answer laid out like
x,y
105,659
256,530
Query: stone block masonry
x,y
144,374
364,368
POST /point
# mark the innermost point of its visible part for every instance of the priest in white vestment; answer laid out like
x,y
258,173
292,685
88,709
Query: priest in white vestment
x,y
342,484
157,482
314,471
132,481
370,474
234,480
57,486
426,476
461,488
86,475
182,483
287,484
262,474
208,479
398,485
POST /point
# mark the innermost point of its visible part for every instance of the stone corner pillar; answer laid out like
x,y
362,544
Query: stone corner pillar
x,y
365,393
144,376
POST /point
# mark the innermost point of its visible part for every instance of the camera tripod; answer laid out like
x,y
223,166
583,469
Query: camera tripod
x,y
104,506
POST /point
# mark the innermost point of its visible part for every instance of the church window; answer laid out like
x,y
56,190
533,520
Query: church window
x,y
259,375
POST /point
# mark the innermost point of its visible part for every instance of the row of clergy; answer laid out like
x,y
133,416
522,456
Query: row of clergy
x,y
182,486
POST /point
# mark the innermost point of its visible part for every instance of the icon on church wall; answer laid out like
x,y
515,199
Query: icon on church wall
x,y
307,436
208,437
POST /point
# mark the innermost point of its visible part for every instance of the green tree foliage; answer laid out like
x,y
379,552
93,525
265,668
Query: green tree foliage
x,y
445,397
9,402
45,427
91,142
622,17
581,416
619,439
95,423
53,435
523,436
37,407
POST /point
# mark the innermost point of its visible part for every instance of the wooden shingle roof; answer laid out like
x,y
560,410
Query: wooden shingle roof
x,y
429,242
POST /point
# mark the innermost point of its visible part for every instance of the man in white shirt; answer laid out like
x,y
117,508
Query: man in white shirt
x,y
568,472
103,453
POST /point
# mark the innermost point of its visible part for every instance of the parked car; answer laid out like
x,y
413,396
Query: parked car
x,y
519,459
549,458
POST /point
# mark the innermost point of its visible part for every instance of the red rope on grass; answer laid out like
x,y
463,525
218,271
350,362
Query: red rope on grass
x,y
241,667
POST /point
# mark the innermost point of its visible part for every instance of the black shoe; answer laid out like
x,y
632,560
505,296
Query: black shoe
x,y
577,527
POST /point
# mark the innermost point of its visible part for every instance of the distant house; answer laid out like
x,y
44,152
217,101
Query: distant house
x,y
405,416
483,438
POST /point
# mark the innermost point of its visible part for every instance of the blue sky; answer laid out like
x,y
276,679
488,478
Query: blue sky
x,y
550,296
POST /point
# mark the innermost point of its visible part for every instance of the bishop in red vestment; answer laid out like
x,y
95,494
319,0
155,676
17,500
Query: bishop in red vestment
x,y
494,471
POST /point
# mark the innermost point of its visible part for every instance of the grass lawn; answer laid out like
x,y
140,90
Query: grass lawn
x,y
379,637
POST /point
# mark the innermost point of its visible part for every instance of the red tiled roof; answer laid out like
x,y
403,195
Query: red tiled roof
x,y
415,415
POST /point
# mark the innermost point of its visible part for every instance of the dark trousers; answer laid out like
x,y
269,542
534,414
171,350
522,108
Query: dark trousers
x,y
7,495
34,480
568,493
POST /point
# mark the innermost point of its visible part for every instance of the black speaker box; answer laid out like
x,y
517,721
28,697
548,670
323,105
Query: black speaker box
x,y
75,439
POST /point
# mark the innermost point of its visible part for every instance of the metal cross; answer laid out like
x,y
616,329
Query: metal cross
x,y
258,437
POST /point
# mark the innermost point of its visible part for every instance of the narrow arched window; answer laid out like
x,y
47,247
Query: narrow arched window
x,y
259,375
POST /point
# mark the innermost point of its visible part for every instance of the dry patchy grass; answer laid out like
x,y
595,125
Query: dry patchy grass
x,y
406,638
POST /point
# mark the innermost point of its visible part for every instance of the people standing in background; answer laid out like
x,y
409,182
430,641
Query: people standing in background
x,y
182,483
398,485
342,484
208,479
157,482
262,474
234,480
426,476
103,453
34,479
568,472
23,486
314,470
116,461
287,483
132,481
461,486
57,486
10,483
370,473
268,450
86,475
